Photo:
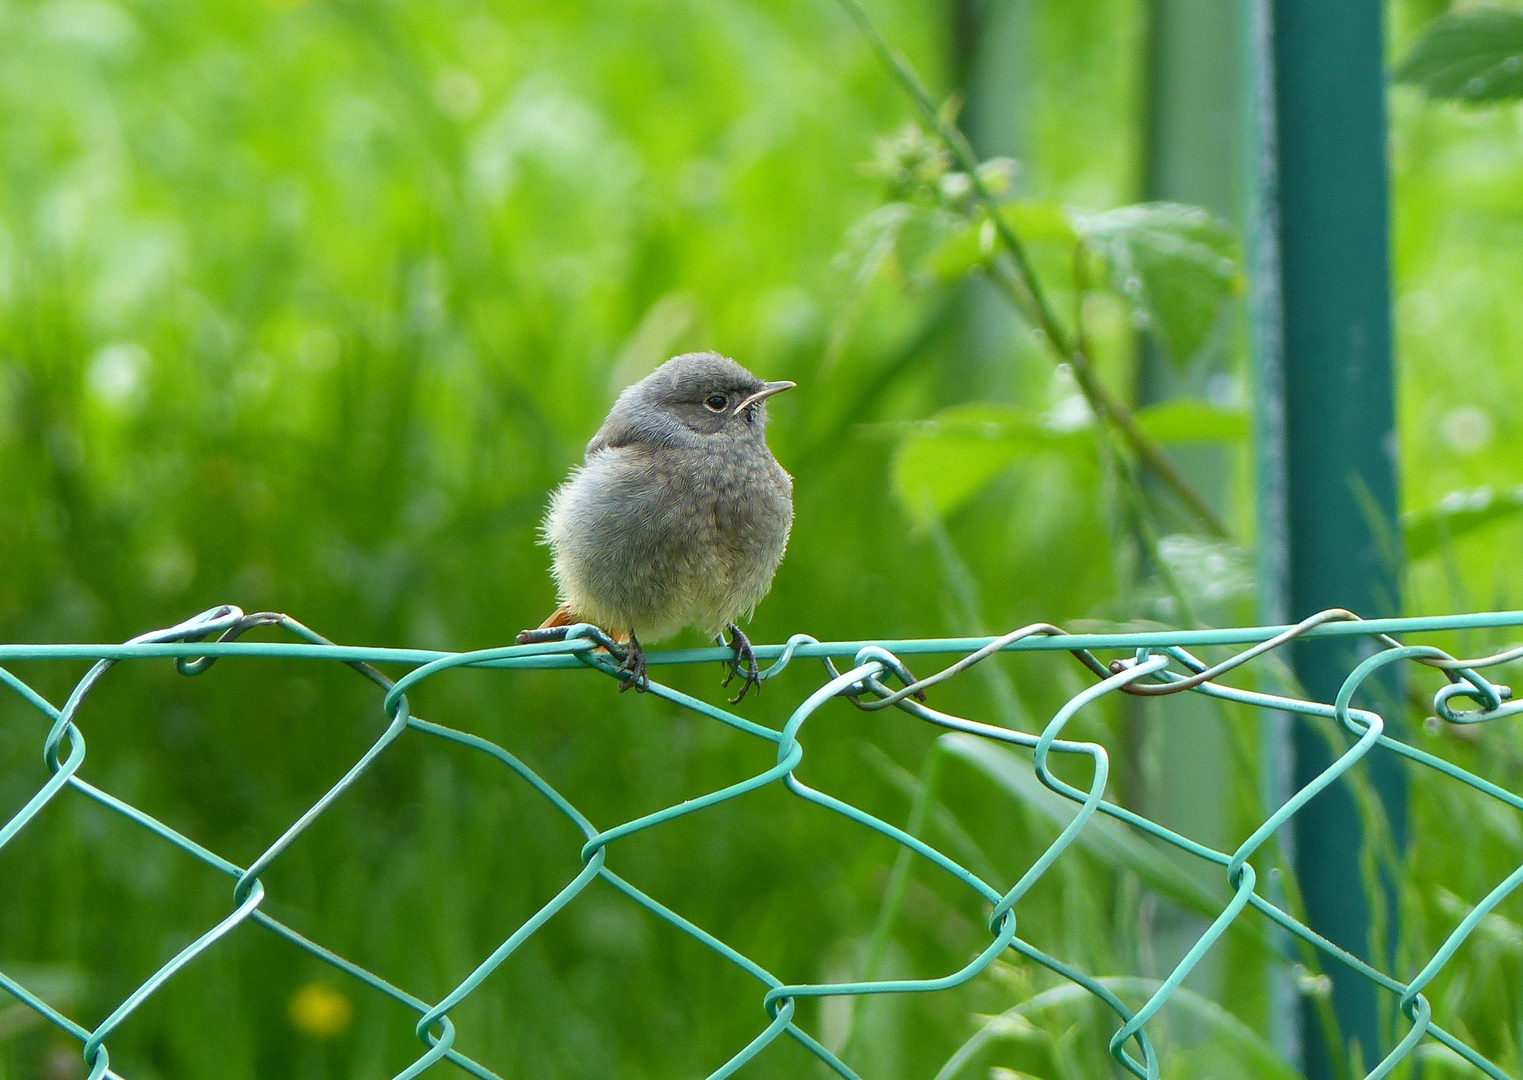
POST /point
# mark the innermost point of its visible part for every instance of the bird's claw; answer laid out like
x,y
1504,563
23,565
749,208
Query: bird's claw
x,y
751,676
630,656
632,665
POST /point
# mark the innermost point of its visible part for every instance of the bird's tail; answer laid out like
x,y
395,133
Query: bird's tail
x,y
561,616
559,619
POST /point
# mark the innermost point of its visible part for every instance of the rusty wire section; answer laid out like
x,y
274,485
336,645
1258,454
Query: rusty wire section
x,y
1150,664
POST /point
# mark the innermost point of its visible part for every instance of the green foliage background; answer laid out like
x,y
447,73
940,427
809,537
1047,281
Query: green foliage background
x,y
307,306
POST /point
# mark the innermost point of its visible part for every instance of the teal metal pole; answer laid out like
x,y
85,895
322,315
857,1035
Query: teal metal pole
x,y
1319,254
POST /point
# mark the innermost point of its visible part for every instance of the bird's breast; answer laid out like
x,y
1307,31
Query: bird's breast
x,y
741,514
749,502
656,538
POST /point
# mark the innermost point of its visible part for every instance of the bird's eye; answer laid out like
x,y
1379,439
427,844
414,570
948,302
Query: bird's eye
x,y
716,403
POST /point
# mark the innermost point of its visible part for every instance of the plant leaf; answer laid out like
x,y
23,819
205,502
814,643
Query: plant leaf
x,y
1035,221
950,458
1104,838
1456,514
1173,264
1472,56
56,984
1190,420
1261,1059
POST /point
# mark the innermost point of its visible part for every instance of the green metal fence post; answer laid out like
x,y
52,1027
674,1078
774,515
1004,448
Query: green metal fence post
x,y
1326,427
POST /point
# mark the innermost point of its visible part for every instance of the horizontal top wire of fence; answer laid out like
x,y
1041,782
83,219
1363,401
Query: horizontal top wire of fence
x,y
1149,664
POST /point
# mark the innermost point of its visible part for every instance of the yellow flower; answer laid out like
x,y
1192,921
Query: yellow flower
x,y
320,1011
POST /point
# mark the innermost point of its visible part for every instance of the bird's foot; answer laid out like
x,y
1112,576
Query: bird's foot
x,y
743,664
633,666
629,654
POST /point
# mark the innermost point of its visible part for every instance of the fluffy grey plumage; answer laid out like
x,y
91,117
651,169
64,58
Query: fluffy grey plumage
x,y
680,514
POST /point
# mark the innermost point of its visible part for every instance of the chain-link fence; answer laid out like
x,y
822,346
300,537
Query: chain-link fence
x,y
1147,664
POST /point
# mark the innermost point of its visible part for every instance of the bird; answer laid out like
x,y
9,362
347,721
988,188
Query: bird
x,y
678,516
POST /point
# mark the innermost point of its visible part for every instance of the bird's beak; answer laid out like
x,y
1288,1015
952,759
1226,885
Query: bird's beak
x,y
767,390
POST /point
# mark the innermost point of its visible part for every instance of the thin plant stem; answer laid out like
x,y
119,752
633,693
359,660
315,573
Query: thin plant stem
x,y
1019,281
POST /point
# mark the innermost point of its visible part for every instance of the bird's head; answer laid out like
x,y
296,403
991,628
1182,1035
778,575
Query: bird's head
x,y
692,399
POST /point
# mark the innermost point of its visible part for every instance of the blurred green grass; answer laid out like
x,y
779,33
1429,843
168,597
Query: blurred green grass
x,y
307,306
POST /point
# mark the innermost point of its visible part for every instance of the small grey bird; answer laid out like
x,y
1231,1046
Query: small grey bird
x,y
678,516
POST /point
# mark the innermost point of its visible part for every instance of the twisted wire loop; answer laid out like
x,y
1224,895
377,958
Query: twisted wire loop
x,y
1153,664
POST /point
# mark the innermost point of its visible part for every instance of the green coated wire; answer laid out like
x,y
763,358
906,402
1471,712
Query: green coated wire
x,y
1151,663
